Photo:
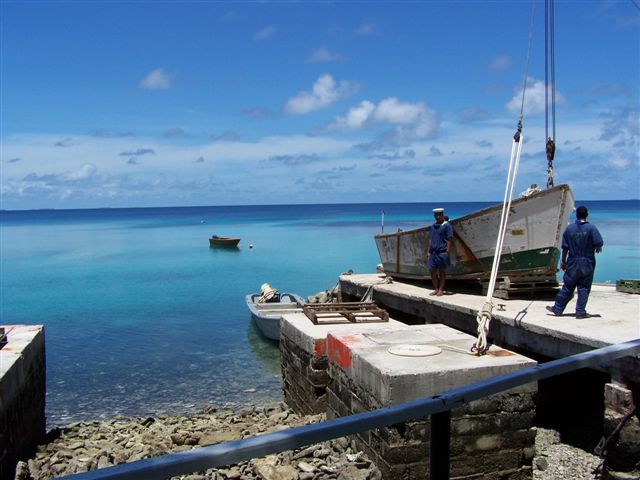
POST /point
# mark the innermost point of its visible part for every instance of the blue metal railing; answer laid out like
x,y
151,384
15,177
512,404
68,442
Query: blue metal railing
x,y
223,454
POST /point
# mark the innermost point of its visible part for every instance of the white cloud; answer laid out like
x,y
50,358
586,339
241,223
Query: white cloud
x,y
533,98
391,110
323,54
356,117
265,33
157,79
230,16
366,29
620,163
86,171
501,63
410,120
93,173
325,91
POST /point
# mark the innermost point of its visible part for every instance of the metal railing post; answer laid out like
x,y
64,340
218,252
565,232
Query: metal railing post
x,y
440,445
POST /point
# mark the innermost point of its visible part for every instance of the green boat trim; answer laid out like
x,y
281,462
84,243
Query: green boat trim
x,y
541,261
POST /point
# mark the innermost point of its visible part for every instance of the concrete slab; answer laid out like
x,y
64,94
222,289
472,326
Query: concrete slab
x,y
312,338
523,323
304,362
22,394
615,315
367,358
20,338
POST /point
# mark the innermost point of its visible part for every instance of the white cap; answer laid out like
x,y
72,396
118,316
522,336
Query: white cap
x,y
438,210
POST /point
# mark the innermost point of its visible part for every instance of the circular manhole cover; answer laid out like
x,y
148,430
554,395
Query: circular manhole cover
x,y
414,350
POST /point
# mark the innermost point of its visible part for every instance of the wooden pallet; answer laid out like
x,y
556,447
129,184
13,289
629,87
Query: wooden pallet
x,y
518,287
345,312
628,286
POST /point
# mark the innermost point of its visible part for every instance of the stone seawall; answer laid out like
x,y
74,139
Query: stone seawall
x,y
304,378
490,438
22,395
304,361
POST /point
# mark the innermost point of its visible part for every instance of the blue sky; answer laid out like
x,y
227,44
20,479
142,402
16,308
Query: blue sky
x,y
123,103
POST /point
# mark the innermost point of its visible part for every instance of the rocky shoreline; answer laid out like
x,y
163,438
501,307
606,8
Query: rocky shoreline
x,y
86,446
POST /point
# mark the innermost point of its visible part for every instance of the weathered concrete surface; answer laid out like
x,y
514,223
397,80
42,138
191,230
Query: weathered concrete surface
x,y
490,438
524,323
312,338
22,394
367,359
303,358
619,403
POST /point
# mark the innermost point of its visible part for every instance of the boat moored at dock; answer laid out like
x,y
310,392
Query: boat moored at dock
x,y
266,315
531,243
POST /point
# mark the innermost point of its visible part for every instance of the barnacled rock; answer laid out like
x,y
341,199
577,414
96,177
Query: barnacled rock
x,y
86,446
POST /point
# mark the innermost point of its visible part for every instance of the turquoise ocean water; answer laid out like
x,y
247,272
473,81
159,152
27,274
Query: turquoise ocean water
x,y
143,318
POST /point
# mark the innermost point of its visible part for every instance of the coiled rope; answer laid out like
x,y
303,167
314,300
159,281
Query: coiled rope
x,y
484,314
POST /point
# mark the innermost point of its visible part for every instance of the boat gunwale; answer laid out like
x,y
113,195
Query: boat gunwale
x,y
224,239
564,187
265,313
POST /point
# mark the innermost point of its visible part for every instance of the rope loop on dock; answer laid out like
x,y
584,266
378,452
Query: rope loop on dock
x,y
368,295
483,319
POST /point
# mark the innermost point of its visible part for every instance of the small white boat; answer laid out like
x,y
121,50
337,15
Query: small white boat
x,y
266,315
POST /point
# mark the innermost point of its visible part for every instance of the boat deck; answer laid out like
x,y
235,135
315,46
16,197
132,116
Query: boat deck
x,y
522,324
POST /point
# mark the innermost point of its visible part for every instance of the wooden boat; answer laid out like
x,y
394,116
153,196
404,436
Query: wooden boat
x,y
530,249
216,241
267,315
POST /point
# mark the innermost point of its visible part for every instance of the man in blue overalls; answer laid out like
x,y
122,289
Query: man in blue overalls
x,y
581,241
440,235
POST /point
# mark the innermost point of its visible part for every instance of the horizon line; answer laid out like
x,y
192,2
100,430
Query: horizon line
x,y
285,205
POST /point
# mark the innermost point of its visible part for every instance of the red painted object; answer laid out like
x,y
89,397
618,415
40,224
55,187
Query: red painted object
x,y
338,349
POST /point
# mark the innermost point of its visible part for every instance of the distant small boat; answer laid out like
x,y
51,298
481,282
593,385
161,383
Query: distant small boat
x,y
216,241
266,315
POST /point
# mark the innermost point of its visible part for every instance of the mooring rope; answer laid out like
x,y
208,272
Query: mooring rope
x,y
368,295
484,314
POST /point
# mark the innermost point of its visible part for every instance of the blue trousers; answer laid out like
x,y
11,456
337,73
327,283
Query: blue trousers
x,y
439,261
579,274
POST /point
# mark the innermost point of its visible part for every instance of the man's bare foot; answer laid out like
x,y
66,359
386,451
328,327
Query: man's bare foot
x,y
433,293
439,294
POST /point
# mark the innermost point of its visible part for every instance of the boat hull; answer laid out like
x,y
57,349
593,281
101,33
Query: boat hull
x,y
223,242
531,244
267,315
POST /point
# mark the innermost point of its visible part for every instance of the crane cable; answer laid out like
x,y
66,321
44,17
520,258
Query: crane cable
x,y
484,315
549,71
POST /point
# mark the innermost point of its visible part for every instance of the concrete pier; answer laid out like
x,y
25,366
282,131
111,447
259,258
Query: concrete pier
x,y
525,326
303,352
343,369
22,394
490,438
521,324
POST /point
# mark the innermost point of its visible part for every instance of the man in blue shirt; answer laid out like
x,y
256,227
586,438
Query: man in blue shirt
x,y
580,241
440,235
